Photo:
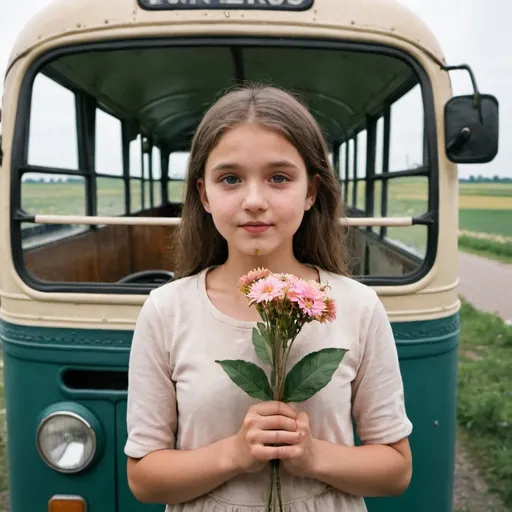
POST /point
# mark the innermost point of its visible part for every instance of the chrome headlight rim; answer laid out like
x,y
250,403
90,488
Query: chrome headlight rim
x,y
87,419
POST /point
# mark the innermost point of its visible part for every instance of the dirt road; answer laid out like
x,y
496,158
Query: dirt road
x,y
487,284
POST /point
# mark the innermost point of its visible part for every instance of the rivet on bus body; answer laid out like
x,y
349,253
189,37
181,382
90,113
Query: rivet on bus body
x,y
436,423
78,25
226,14
106,22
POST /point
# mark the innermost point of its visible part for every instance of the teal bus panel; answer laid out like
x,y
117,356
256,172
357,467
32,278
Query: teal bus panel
x,y
35,360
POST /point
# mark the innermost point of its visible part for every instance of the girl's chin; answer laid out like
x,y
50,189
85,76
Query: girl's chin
x,y
256,250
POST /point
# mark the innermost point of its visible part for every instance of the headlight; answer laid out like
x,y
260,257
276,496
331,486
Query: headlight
x,y
66,440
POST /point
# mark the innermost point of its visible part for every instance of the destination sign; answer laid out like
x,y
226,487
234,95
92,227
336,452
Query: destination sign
x,y
276,5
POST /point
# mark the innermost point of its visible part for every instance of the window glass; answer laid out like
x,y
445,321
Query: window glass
x,y
109,145
178,162
46,194
406,137
135,196
135,152
111,199
53,133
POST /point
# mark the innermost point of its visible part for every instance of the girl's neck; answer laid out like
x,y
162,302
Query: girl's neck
x,y
235,267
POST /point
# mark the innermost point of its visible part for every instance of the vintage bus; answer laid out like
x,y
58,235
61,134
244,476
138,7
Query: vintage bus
x,y
101,100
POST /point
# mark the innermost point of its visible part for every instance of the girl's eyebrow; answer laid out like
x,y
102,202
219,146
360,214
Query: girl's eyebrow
x,y
232,166
226,166
282,163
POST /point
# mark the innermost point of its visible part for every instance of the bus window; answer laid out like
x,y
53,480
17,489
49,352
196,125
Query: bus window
x,y
109,165
342,173
135,175
360,182
52,150
178,162
350,172
147,195
406,134
53,136
356,110
156,167
51,194
407,195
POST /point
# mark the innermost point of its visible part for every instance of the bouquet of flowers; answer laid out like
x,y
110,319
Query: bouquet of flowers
x,y
285,304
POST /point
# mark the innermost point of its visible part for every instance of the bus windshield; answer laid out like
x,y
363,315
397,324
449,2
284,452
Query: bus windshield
x,y
106,132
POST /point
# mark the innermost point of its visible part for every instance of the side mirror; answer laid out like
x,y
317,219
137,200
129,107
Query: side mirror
x,y
472,129
471,125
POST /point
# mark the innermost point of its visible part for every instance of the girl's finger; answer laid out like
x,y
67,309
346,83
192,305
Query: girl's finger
x,y
273,408
269,437
303,421
264,452
287,452
277,423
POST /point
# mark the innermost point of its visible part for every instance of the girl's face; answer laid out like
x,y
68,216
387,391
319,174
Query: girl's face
x,y
257,189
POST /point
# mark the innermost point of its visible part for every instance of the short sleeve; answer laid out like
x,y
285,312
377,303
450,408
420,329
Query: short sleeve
x,y
378,403
151,408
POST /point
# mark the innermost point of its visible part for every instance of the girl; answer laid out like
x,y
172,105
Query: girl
x,y
260,193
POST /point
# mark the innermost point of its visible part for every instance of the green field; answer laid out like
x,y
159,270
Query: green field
x,y
70,198
484,207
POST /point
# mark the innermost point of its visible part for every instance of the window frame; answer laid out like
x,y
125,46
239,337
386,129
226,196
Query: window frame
x,y
20,140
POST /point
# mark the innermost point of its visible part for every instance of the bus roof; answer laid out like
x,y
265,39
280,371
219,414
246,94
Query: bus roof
x,y
126,18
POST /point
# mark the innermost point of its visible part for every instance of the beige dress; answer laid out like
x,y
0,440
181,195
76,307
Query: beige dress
x,y
178,336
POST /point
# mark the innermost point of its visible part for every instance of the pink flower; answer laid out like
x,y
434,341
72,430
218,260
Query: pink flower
x,y
311,307
308,296
302,290
245,282
267,290
330,311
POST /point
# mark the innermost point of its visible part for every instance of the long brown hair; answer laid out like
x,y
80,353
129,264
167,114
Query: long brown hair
x,y
319,240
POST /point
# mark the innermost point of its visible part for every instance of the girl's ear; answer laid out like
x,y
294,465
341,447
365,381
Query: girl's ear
x,y
313,187
202,194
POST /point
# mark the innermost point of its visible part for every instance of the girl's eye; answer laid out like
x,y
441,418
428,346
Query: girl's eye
x,y
279,178
230,180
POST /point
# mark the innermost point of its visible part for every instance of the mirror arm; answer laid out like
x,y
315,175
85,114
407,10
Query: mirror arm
x,y
476,93
462,138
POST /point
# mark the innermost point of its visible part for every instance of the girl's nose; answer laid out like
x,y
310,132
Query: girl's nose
x,y
254,198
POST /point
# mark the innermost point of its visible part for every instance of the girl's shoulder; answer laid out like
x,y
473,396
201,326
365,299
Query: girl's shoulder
x,y
345,287
177,294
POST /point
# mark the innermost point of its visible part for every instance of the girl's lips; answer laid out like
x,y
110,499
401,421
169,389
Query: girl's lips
x,y
256,228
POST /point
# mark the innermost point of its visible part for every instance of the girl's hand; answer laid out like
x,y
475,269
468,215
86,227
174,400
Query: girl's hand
x,y
298,459
266,424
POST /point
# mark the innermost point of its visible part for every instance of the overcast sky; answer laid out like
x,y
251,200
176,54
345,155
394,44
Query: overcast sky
x,y
470,31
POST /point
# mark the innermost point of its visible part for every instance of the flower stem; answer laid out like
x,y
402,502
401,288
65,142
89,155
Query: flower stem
x,y
278,485
270,503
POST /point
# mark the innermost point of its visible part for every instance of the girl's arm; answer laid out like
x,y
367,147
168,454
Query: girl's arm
x,y
177,476
382,466
369,470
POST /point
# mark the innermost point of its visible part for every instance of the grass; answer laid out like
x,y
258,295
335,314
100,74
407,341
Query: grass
x,y
498,222
501,251
484,407
70,198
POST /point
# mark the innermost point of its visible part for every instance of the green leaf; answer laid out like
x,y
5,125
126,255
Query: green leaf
x,y
262,348
312,373
263,330
249,377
